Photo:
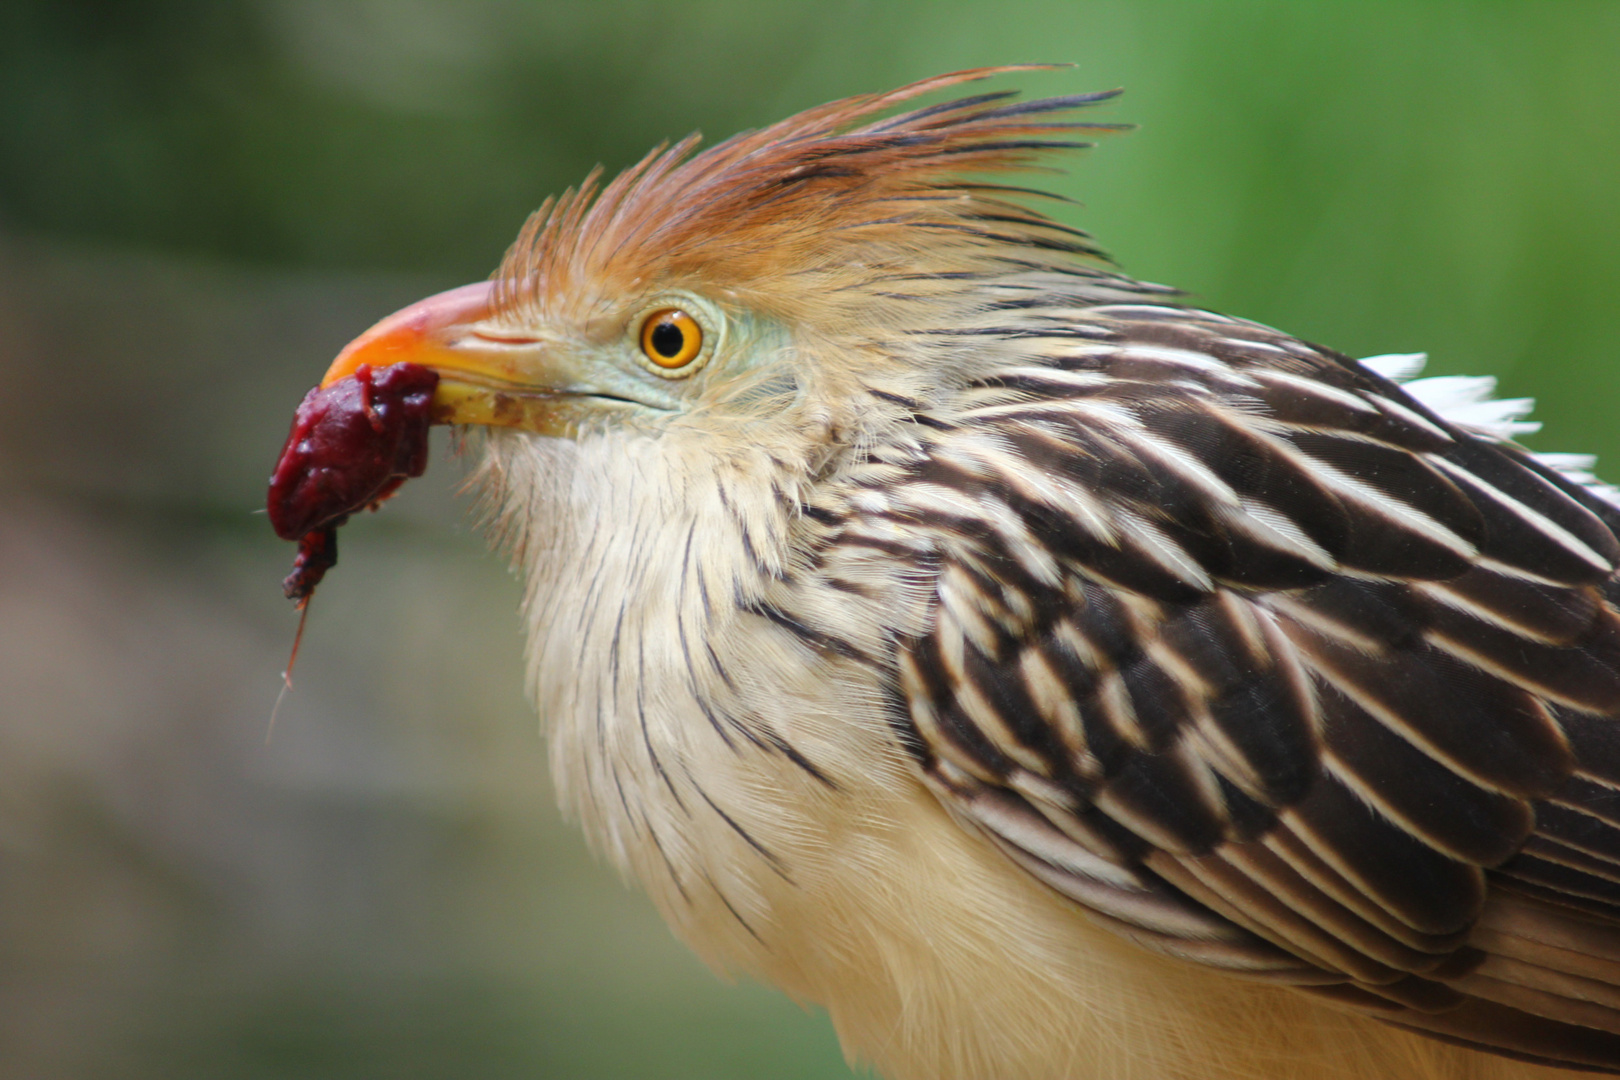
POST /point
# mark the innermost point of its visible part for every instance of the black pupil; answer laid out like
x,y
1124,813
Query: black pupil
x,y
668,339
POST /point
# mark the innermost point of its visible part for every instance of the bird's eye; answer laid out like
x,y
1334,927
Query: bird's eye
x,y
671,339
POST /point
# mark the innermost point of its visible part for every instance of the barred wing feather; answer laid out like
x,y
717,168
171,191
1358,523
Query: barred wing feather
x,y
1276,669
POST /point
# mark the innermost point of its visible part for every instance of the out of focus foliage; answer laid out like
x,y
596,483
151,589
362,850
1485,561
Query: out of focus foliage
x,y
201,200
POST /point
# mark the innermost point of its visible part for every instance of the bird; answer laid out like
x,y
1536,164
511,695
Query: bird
x,y
1045,676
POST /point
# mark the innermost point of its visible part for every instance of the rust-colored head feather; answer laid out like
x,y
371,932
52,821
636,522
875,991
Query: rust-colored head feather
x,y
768,214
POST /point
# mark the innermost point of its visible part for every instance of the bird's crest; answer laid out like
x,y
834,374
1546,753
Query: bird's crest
x,y
838,186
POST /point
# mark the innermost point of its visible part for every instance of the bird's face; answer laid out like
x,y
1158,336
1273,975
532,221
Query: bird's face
x,y
740,327
645,362
783,288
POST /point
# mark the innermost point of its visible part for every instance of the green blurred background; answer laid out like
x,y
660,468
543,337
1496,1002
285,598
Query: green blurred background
x,y
202,200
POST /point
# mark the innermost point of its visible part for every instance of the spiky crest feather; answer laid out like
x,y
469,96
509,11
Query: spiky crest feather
x,y
776,216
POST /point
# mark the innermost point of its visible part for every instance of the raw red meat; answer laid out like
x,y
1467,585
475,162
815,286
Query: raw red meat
x,y
352,444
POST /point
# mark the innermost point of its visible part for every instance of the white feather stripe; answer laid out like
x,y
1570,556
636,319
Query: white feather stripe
x,y
1200,364
1547,688
1184,465
1267,914
922,715
1266,348
1273,889
999,463
942,501
1441,594
1103,414
1496,566
1572,856
1585,849
1360,897
1173,664
1284,655
1059,379
1405,415
1246,617
870,500
1056,705
1209,741
1055,802
1277,530
1036,559
1371,498
1391,813
929,499
993,726
1060,814
1027,410
1136,908
1066,635
1188,358
1537,521
1300,385
881,529
1302,854
1158,547
1305,615
1001,815
1204,781
1077,350
964,608
1354,690
1151,829
1114,706
1158,311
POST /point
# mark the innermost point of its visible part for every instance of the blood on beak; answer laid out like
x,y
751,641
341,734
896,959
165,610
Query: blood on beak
x,y
487,376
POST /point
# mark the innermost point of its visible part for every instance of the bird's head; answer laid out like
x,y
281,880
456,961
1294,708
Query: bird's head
x,y
783,289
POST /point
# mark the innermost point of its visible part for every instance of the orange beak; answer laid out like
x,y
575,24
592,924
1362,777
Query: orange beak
x,y
419,334
488,375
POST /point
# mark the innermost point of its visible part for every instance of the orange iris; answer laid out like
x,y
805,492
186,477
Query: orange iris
x,y
671,338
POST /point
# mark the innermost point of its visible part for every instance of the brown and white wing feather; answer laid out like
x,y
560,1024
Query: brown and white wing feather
x,y
1272,668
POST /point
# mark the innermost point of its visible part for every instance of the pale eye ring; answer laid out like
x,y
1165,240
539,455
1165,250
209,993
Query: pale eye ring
x,y
671,339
